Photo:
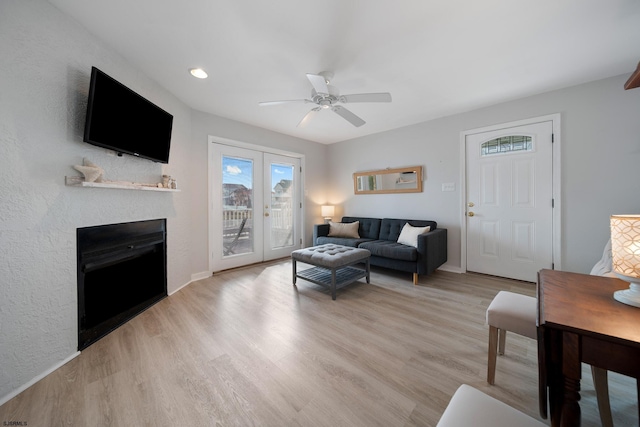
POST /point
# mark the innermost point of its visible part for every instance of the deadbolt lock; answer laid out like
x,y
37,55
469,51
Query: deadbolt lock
x,y
470,204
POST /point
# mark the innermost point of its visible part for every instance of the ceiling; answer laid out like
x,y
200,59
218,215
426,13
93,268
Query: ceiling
x,y
436,58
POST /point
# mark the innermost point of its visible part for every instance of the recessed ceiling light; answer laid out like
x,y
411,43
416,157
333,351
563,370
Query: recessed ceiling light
x,y
199,73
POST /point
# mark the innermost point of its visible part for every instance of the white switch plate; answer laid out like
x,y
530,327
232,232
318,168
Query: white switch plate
x,y
449,186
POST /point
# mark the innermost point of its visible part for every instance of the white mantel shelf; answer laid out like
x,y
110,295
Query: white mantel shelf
x,y
78,181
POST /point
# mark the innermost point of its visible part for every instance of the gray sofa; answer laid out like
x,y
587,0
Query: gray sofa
x,y
380,237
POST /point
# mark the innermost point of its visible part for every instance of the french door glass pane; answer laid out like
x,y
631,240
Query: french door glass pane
x,y
237,206
282,190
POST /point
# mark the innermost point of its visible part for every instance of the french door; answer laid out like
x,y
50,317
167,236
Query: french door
x,y
255,209
509,201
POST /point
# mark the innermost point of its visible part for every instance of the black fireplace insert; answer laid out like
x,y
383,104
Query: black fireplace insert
x,y
122,271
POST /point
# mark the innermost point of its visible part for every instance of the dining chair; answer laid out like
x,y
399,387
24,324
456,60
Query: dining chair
x,y
228,247
471,407
516,313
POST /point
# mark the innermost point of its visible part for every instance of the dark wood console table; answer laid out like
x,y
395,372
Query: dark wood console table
x,y
579,321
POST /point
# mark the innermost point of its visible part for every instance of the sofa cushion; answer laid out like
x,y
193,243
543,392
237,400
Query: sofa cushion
x,y
392,250
390,228
344,241
369,227
409,234
340,229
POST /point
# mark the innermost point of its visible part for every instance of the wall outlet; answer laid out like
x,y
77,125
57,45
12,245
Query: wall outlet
x,y
449,186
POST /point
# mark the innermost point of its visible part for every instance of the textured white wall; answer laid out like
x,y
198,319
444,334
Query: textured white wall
x,y
45,66
600,154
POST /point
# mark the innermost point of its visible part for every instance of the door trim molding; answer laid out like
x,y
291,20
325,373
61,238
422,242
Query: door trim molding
x,y
250,146
555,182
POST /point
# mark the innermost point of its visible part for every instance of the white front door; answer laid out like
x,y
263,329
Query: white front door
x,y
255,209
509,212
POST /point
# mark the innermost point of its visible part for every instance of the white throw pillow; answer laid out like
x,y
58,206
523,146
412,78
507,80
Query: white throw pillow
x,y
604,267
344,229
409,234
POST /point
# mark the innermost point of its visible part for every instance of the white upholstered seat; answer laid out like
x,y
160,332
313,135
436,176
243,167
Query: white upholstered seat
x,y
508,312
471,407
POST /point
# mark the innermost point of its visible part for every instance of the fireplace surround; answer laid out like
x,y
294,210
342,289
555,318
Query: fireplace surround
x,y
122,271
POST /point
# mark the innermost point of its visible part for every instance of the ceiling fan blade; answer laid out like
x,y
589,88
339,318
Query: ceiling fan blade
x,y
308,117
319,83
366,97
348,115
287,101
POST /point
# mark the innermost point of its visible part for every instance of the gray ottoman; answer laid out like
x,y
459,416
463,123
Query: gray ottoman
x,y
334,265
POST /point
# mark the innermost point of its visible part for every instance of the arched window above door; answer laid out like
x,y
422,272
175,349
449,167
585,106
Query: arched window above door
x,y
506,144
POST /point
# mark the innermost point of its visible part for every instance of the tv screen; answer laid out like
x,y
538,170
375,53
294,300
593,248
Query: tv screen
x,y
121,120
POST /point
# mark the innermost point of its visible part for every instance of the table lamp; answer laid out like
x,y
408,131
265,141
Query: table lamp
x,y
625,252
327,213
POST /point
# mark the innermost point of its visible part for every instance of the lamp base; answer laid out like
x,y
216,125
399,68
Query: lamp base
x,y
629,296
327,220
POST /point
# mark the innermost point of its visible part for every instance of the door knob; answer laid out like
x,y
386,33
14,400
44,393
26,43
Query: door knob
x,y
266,214
470,214
470,204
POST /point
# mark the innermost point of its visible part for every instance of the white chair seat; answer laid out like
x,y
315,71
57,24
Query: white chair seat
x,y
513,312
508,312
471,407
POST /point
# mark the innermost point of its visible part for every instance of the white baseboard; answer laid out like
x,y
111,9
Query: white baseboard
x,y
451,269
22,388
200,276
194,277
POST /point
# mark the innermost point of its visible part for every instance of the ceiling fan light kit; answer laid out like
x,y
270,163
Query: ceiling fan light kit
x,y
326,97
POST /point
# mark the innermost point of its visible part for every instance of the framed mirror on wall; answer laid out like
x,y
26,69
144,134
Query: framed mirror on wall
x,y
399,180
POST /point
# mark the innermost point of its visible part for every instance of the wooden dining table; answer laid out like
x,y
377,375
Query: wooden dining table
x,y
579,321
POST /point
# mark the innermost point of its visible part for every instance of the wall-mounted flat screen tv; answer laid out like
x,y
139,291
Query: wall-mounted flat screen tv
x,y
123,121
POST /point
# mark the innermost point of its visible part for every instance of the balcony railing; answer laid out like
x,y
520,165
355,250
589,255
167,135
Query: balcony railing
x,y
281,226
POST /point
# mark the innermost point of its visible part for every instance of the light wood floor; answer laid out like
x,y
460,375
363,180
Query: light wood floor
x,y
245,347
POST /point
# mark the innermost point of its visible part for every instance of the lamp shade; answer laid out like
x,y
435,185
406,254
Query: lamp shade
x,y
625,244
625,254
327,211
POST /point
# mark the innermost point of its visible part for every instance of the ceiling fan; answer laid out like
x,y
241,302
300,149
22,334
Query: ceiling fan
x,y
326,96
